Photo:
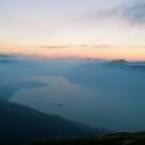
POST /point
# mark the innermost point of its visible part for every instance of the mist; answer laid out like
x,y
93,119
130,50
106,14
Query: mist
x,y
101,94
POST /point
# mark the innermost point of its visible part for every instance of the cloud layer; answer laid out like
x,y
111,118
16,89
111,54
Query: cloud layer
x,y
134,11
131,11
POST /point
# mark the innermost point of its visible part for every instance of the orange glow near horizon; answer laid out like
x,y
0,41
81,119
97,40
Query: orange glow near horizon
x,y
78,53
70,29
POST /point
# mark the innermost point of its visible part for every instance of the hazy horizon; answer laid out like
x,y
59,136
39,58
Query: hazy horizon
x,y
94,29
72,69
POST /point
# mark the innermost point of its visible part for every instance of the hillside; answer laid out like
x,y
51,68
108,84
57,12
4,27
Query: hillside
x,y
106,73
19,124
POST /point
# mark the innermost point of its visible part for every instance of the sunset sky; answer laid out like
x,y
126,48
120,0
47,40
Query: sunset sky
x,y
106,29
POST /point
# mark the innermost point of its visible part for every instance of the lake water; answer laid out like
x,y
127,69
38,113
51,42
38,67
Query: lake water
x,y
96,95
79,103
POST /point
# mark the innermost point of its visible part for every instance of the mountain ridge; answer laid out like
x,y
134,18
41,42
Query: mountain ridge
x,y
22,124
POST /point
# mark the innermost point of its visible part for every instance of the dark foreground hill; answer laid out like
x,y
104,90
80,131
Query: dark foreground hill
x,y
110,139
20,125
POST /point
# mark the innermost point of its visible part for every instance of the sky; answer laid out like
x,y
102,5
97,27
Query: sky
x,y
104,29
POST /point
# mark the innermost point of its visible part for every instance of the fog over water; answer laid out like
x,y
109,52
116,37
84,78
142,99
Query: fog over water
x,y
101,94
78,103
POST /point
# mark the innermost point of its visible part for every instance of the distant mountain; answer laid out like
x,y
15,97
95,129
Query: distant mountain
x,y
119,62
128,65
107,73
5,58
19,124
